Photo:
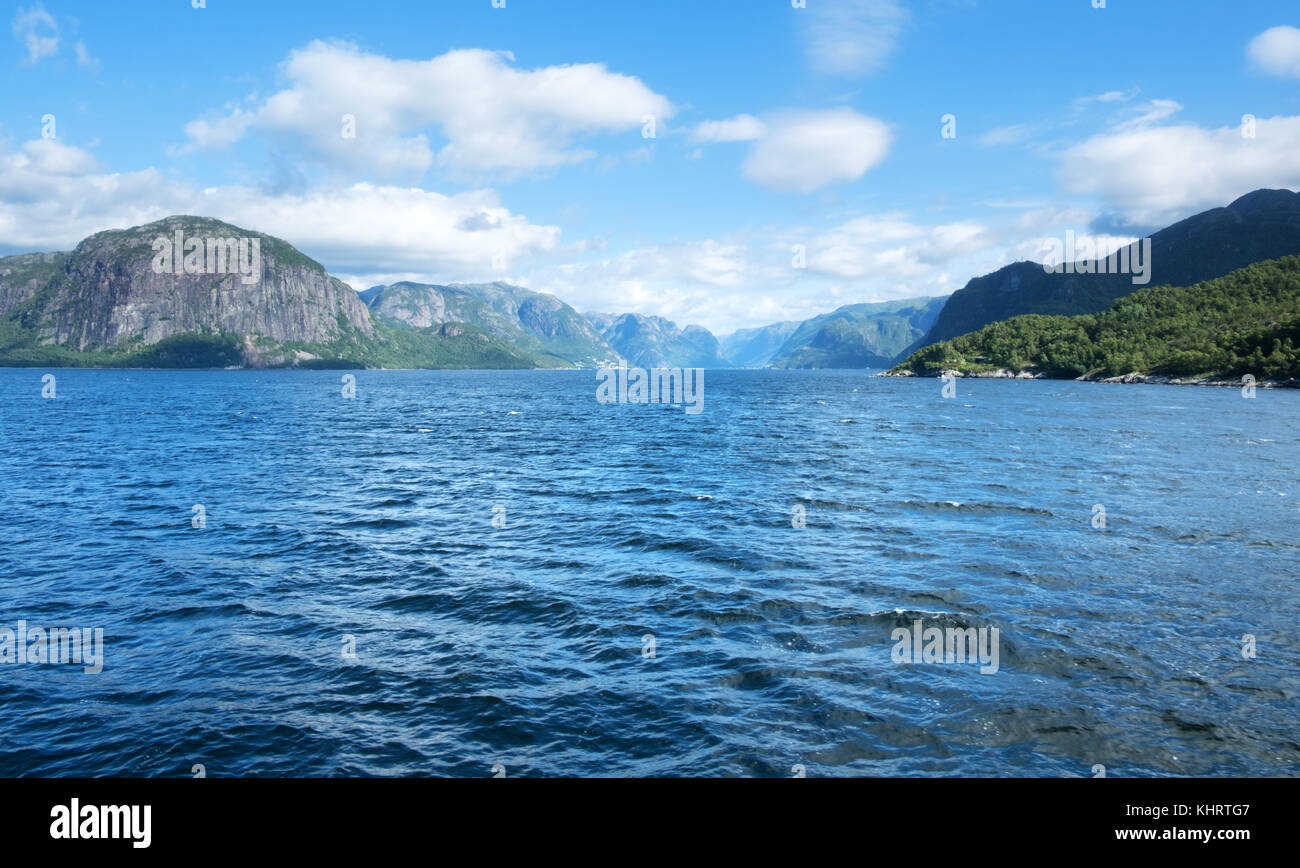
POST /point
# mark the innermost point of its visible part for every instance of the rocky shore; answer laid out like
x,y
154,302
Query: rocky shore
x,y
1142,379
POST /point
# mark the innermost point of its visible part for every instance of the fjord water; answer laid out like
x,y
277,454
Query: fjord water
x,y
522,646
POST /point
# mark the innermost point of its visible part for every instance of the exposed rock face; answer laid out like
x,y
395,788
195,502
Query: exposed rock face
x,y
1162,380
21,276
108,295
416,305
1128,379
1008,374
654,342
533,321
198,293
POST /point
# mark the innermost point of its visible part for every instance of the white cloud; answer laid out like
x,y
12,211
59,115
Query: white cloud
x,y
220,130
1086,245
38,32
364,227
893,249
41,157
1107,97
1277,51
83,56
712,283
1149,113
804,151
496,119
357,229
1153,175
742,128
1009,135
851,37
737,283
53,194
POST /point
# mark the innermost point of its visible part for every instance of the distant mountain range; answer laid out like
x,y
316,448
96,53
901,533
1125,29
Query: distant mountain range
x,y
754,348
871,335
109,303
654,342
555,334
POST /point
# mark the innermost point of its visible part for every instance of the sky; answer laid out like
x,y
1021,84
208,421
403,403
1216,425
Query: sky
x,y
726,164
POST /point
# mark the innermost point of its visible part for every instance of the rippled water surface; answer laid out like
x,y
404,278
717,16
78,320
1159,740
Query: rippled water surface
x,y
524,645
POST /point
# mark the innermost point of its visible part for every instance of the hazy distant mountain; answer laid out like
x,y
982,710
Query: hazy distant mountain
x,y
654,342
1259,226
532,321
754,348
869,335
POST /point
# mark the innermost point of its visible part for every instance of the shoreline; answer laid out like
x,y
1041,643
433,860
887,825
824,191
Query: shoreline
x,y
1126,379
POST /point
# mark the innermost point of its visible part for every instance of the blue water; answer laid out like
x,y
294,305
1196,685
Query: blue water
x,y
522,646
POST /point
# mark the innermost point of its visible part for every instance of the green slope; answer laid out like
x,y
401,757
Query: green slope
x,y
1259,226
454,345
868,335
1247,322
535,324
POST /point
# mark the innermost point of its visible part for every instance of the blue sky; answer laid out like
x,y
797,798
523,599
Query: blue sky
x,y
511,144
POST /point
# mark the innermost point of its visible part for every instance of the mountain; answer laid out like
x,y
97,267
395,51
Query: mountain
x,y
21,276
654,342
122,299
869,335
1247,322
754,348
534,322
1259,226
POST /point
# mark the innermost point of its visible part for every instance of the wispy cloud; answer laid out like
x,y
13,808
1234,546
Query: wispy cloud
x,y
37,30
851,37
1009,135
1109,96
742,128
84,58
1149,113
